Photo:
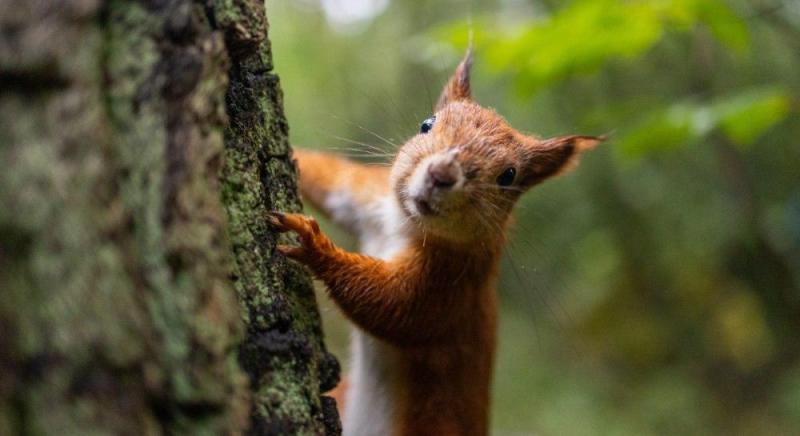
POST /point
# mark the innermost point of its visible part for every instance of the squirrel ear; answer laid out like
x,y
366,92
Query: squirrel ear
x,y
550,157
457,87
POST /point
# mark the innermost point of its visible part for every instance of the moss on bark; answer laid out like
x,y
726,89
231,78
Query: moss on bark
x,y
119,266
283,352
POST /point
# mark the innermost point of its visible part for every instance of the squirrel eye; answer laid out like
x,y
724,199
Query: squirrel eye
x,y
507,177
427,125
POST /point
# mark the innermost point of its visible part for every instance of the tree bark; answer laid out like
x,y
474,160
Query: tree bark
x,y
142,143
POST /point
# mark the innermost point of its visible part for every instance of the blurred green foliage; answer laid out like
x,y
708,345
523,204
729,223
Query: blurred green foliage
x,y
655,290
583,36
742,118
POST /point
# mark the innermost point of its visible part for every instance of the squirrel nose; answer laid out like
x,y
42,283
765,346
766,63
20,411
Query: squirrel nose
x,y
443,174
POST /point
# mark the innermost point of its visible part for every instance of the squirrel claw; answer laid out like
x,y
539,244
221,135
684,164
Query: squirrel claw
x,y
311,238
277,220
289,251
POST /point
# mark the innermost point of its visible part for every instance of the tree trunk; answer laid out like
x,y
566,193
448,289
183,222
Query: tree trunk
x,y
142,143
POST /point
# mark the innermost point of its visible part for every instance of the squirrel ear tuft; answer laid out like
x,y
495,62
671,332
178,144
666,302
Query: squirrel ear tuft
x,y
457,87
550,157
584,143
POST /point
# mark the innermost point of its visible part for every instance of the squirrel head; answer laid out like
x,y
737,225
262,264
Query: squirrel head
x,y
459,178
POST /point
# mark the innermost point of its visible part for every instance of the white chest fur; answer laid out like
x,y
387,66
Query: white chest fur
x,y
369,406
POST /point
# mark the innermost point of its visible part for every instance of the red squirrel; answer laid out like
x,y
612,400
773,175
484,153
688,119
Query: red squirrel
x,y
431,229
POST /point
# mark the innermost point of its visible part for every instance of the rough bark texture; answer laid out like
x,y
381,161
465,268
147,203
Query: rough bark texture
x,y
282,351
127,130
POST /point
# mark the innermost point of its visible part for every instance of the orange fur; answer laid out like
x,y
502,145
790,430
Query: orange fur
x,y
338,393
322,174
440,313
432,301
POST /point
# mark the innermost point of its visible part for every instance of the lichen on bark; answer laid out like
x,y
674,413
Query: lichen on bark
x,y
117,306
282,352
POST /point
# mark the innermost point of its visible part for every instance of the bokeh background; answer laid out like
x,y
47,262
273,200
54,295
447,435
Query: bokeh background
x,y
655,290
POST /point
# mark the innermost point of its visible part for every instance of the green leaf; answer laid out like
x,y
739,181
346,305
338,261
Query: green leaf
x,y
661,130
724,24
747,116
743,118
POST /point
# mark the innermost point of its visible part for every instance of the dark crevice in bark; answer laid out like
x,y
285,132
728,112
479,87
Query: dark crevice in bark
x,y
32,82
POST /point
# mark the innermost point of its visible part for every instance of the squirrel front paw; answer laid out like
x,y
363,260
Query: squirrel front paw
x,y
313,243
